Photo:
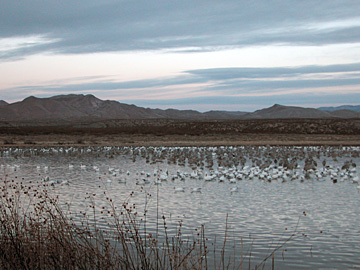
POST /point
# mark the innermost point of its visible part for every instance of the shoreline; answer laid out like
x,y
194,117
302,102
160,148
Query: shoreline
x,y
56,140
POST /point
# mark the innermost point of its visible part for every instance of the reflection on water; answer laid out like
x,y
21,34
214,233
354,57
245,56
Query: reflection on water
x,y
313,190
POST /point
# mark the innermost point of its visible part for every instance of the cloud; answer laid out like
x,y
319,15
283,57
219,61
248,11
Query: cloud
x,y
271,72
218,87
107,26
111,85
240,78
265,80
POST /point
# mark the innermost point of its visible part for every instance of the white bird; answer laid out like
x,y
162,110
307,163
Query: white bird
x,y
355,180
234,189
209,177
196,189
179,189
143,182
232,181
51,183
140,183
182,176
146,181
163,177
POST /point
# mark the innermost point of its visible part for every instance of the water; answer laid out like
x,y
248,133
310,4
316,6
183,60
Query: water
x,y
263,213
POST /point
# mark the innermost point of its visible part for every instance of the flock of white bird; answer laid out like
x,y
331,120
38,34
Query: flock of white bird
x,y
212,164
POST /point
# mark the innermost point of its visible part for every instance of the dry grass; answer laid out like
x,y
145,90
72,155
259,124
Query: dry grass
x,y
186,133
177,140
36,233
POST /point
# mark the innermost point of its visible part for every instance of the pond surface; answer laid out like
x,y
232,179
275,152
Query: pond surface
x,y
258,195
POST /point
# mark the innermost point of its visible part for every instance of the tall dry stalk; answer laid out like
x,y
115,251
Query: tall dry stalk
x,y
36,232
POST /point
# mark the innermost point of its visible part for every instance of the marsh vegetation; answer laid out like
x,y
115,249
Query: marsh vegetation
x,y
179,207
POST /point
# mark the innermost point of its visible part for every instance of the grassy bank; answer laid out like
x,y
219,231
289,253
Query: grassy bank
x,y
184,132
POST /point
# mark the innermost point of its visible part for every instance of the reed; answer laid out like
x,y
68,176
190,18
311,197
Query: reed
x,y
37,232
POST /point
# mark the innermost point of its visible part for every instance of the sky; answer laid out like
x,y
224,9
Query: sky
x,y
186,54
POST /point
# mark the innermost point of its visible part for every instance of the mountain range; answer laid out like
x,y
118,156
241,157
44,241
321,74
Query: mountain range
x,y
343,107
88,107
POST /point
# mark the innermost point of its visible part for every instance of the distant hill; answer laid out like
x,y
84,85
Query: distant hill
x,y
3,103
224,114
355,108
70,108
88,107
79,107
281,112
345,114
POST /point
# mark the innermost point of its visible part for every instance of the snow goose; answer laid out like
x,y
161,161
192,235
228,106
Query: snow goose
x,y
196,189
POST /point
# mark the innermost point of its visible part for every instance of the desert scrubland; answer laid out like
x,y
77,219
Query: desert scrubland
x,y
184,132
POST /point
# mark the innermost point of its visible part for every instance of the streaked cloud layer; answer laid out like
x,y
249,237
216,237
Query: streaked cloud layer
x,y
318,41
